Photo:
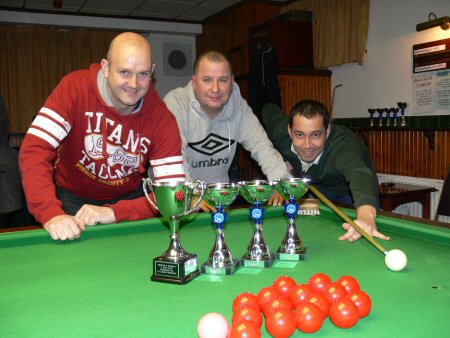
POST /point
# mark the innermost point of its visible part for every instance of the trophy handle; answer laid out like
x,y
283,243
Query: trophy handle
x,y
196,183
147,182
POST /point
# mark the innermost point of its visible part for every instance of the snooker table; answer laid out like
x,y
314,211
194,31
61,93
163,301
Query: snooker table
x,y
99,285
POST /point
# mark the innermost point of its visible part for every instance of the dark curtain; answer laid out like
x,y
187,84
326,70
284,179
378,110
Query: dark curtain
x,y
263,86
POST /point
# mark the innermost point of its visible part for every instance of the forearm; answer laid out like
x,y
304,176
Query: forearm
x,y
131,210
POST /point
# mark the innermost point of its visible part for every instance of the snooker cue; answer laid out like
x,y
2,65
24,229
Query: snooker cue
x,y
347,219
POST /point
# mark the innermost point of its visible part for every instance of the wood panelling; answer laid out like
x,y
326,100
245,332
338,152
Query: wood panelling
x,y
296,87
229,30
408,153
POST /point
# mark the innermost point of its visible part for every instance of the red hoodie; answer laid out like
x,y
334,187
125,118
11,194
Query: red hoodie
x,y
67,138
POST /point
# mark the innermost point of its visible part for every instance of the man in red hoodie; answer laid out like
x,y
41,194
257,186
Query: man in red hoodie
x,y
84,156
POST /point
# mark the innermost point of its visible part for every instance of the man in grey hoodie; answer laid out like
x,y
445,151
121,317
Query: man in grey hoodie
x,y
213,118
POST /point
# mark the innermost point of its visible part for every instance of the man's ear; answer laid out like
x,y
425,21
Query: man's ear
x,y
105,67
328,130
289,130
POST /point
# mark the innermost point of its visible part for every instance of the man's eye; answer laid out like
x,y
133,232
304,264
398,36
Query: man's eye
x,y
143,75
316,135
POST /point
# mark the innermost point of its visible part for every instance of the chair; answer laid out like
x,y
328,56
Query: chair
x,y
444,200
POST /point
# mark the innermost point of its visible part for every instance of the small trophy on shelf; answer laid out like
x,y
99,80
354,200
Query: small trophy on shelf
x,y
388,117
380,112
402,106
257,193
371,112
292,247
173,201
220,262
394,116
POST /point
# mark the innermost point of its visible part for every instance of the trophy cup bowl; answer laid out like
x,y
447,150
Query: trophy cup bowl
x,y
292,248
220,261
173,201
257,193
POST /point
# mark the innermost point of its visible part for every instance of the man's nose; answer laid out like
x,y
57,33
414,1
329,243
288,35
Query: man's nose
x,y
132,81
215,86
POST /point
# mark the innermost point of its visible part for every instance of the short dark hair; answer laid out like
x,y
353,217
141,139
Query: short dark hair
x,y
310,109
214,56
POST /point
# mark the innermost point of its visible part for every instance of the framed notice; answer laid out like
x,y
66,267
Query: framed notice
x,y
431,56
431,92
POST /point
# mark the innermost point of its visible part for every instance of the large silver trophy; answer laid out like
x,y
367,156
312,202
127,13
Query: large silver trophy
x,y
173,201
220,261
292,189
257,193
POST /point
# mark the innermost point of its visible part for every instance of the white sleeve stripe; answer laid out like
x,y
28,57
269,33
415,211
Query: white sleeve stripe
x,y
44,136
166,160
55,116
50,126
168,170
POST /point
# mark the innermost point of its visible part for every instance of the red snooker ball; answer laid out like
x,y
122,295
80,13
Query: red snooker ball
x,y
308,317
362,302
319,281
284,284
344,313
281,323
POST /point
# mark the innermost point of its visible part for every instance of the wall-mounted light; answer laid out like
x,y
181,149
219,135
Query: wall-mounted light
x,y
433,21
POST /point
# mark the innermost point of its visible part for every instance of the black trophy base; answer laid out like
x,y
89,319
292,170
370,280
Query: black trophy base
x,y
248,262
281,255
228,269
181,272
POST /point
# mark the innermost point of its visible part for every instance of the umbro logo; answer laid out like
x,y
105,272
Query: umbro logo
x,y
211,144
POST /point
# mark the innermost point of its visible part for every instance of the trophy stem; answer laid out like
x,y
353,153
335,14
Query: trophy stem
x,y
174,224
292,247
220,261
258,252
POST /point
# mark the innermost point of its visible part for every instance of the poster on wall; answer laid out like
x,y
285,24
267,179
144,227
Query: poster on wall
x,y
431,93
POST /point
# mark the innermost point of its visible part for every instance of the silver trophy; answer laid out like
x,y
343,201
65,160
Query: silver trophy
x,y
220,262
173,201
292,247
257,193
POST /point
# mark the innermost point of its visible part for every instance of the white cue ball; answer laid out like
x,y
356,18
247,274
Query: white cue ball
x,y
213,325
396,260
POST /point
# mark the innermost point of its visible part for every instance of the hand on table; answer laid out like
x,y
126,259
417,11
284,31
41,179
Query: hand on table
x,y
203,205
352,234
65,227
276,199
92,214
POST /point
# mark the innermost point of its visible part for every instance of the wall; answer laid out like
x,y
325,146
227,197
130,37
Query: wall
x,y
385,78
165,83
158,32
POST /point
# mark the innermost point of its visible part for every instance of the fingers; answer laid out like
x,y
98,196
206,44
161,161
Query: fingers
x,y
206,207
352,234
92,214
380,235
64,227
276,200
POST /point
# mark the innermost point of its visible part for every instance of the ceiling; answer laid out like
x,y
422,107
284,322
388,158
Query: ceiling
x,y
172,10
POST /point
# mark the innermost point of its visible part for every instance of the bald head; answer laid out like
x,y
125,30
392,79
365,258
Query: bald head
x,y
128,70
129,42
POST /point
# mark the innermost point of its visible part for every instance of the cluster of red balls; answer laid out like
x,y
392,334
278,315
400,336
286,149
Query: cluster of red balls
x,y
288,306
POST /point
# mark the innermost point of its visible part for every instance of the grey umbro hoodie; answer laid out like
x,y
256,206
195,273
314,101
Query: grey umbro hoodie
x,y
209,144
